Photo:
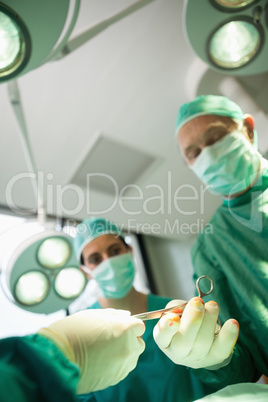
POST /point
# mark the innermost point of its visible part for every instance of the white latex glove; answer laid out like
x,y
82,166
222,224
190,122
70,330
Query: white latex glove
x,y
245,392
191,341
105,344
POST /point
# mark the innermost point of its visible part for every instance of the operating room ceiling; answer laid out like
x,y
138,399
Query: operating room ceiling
x,y
101,124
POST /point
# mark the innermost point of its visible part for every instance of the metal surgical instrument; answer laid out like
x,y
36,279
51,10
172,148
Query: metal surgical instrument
x,y
178,309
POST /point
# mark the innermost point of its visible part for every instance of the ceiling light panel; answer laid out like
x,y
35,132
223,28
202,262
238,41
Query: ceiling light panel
x,y
109,164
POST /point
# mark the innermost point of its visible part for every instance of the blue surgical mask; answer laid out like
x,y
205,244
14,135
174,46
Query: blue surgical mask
x,y
115,275
229,166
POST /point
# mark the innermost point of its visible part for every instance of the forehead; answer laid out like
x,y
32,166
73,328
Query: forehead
x,y
101,243
196,127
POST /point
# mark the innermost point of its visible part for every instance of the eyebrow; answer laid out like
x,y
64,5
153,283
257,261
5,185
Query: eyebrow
x,y
212,128
119,243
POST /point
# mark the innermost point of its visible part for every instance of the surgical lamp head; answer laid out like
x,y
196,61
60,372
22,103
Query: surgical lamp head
x,y
39,271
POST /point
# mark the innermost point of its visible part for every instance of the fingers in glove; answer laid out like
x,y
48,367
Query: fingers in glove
x,y
165,329
206,333
141,344
225,340
169,323
192,317
136,328
191,320
137,325
137,344
176,302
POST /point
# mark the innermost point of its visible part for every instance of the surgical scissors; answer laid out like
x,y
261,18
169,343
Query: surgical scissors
x,y
178,309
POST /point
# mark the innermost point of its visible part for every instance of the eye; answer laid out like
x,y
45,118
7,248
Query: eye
x,y
192,154
94,260
115,250
216,135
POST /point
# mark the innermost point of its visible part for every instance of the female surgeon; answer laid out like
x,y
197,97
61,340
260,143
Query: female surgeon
x,y
105,257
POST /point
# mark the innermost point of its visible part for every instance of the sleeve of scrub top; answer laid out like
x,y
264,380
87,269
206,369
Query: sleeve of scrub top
x,y
32,368
241,367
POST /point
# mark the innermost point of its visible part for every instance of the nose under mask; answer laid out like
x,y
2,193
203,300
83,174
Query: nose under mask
x,y
229,166
115,275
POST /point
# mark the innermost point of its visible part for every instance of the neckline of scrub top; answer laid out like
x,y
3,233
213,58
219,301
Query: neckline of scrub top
x,y
260,185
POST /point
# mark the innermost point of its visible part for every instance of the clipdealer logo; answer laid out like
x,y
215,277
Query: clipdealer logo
x,y
150,200
168,227
131,200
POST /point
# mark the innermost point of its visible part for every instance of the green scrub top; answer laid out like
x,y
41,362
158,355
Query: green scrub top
x,y
33,369
233,251
156,378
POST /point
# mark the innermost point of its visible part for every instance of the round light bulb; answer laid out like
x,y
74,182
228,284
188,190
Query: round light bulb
x,y
70,282
234,44
234,3
54,252
11,45
31,288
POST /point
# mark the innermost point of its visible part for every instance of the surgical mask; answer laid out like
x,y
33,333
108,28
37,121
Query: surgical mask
x,y
115,275
229,166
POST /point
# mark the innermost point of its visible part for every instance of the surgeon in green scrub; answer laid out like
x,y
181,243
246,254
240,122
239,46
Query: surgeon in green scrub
x,y
106,257
219,144
80,353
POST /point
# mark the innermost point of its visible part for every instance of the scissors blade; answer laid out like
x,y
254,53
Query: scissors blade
x,y
152,315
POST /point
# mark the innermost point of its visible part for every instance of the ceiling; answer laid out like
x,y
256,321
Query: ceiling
x,y
123,87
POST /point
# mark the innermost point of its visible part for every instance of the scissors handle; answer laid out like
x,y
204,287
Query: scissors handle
x,y
200,292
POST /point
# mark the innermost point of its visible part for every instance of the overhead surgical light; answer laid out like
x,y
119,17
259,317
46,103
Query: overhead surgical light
x,y
234,43
15,43
39,269
229,35
26,40
69,283
40,272
31,288
35,32
53,252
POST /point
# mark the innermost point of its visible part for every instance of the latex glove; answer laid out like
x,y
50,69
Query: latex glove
x,y
245,392
105,344
191,341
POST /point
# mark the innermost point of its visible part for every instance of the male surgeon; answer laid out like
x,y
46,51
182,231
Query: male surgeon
x,y
219,144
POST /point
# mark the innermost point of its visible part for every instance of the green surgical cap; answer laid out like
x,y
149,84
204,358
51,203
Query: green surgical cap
x,y
90,229
209,104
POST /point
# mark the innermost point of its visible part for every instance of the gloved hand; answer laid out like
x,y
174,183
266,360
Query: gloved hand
x,y
191,341
105,344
